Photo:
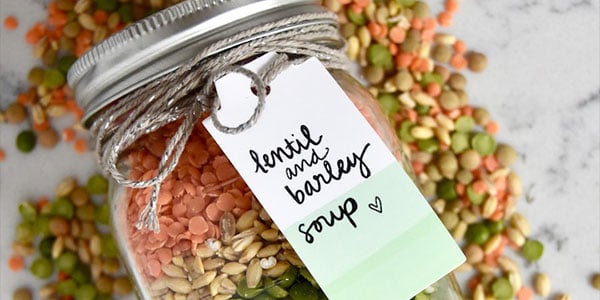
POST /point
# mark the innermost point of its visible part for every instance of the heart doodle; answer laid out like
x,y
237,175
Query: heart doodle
x,y
377,206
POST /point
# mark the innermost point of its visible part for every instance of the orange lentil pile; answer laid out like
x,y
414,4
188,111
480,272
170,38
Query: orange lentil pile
x,y
70,29
192,199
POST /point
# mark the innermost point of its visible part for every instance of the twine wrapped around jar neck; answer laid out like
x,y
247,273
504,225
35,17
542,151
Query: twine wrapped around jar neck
x,y
188,92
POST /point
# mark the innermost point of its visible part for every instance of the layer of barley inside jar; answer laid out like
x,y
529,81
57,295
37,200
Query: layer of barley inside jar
x,y
188,225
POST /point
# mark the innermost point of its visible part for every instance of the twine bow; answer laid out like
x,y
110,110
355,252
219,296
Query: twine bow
x,y
188,92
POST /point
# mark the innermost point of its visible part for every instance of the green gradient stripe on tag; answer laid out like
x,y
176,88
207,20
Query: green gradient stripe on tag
x,y
396,247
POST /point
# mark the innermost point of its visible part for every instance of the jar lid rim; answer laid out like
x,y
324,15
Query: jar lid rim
x,y
142,49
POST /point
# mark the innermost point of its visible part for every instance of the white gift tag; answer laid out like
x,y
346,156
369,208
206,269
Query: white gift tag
x,y
333,188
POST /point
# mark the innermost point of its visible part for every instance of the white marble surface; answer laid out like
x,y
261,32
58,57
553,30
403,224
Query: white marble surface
x,y
542,85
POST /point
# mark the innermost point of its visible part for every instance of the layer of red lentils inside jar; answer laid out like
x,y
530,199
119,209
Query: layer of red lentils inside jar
x,y
192,199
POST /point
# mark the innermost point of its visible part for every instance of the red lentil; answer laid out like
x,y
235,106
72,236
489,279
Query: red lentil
x,y
11,23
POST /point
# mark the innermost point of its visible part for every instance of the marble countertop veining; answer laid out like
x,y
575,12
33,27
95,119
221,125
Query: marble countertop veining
x,y
542,85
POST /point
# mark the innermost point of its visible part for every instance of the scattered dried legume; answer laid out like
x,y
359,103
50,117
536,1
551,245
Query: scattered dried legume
x,y
542,284
596,281
22,294
70,249
26,141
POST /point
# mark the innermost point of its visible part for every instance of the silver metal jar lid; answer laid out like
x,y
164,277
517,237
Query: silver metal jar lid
x,y
158,44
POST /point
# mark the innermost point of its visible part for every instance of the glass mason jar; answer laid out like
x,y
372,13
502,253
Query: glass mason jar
x,y
215,239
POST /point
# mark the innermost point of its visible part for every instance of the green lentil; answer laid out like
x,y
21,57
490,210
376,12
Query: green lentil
x,y
389,103
443,72
446,189
464,176
431,77
459,142
66,287
108,5
53,78
506,155
65,63
66,44
469,159
457,81
481,116
495,226
449,100
103,214
414,34
97,184
72,29
41,268
463,98
81,273
108,246
15,113
79,196
374,74
532,250
406,3
476,61
428,188
421,9
441,53
379,56
126,12
85,292
433,172
109,297
477,234
22,294
26,141
35,76
410,44
104,284
348,30
42,225
25,232
422,110
483,143
66,262
449,219
45,246
502,289
27,211
62,207
464,124
86,212
448,164
403,80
